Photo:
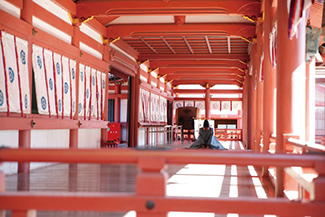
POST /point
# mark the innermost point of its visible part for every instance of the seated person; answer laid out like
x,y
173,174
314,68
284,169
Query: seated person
x,y
207,138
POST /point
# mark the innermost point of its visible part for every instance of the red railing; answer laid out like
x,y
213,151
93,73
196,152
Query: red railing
x,y
228,134
150,198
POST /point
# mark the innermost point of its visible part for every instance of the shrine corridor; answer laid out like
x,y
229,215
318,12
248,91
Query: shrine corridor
x,y
190,180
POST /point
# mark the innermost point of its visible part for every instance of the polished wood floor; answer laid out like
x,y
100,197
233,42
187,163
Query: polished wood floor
x,y
185,180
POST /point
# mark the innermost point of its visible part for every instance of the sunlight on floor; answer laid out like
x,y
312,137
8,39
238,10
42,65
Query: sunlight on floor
x,y
260,192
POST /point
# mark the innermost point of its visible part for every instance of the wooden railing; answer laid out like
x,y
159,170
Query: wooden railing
x,y
150,198
228,134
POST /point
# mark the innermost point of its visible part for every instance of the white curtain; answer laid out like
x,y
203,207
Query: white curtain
x,y
22,52
3,91
40,83
73,84
66,87
99,94
11,71
93,93
58,81
48,56
81,105
87,80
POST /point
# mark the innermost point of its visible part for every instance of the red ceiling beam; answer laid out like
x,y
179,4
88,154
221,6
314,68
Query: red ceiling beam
x,y
144,7
194,29
223,91
143,57
198,70
17,3
201,76
68,6
204,82
191,63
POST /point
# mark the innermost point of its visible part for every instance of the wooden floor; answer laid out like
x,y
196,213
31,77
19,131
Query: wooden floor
x,y
185,180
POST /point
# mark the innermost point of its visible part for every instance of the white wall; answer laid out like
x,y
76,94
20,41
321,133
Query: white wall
x,y
9,138
48,139
89,138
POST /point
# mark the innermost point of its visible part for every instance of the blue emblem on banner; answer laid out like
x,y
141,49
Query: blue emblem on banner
x,y
79,107
92,109
93,81
51,84
39,62
73,73
103,84
73,106
58,68
87,93
1,98
23,57
11,75
60,105
43,103
66,87
81,76
26,101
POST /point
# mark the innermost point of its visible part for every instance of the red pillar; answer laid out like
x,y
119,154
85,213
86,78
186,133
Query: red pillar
x,y
26,13
290,85
259,89
245,128
310,102
252,110
24,142
269,82
207,102
105,112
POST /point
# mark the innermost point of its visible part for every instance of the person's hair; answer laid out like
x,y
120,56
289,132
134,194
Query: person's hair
x,y
206,123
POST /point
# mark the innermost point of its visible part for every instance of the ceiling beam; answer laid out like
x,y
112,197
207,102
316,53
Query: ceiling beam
x,y
208,44
212,91
243,57
203,76
204,82
197,70
191,63
229,46
245,30
168,45
188,45
144,41
144,7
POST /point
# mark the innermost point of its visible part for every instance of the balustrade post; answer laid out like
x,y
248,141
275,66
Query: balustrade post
x,y
151,181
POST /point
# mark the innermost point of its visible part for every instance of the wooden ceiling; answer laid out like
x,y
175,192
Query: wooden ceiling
x,y
190,41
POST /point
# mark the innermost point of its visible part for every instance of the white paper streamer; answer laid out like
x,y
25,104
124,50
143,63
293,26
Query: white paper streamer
x,y
3,96
73,84
81,97
11,71
40,83
22,51
48,56
66,87
87,105
93,93
58,82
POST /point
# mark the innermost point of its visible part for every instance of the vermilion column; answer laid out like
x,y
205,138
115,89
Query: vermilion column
x,y
207,102
245,110
290,83
249,112
259,89
269,82
252,93
117,104
310,101
24,142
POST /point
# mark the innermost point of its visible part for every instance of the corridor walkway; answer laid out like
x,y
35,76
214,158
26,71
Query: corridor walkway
x,y
185,180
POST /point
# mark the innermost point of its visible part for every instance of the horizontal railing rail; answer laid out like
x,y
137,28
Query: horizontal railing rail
x,y
305,146
148,199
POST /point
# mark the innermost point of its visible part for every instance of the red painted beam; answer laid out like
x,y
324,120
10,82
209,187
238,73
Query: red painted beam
x,y
212,91
202,99
17,3
190,63
202,76
143,57
167,30
142,7
68,6
204,82
198,70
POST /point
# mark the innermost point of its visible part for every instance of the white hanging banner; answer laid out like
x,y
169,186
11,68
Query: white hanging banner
x,y
87,88
93,93
141,106
163,109
73,84
48,64
11,71
103,92
58,82
81,90
3,91
99,94
40,82
22,51
66,87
